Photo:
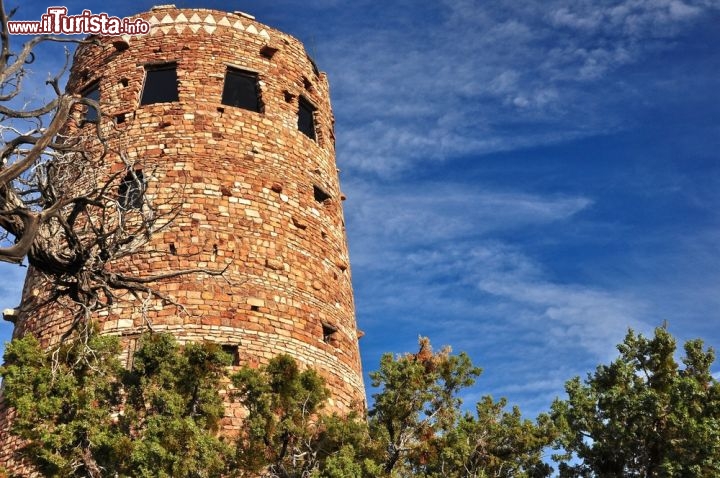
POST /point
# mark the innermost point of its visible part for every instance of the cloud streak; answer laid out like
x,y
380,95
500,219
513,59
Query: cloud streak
x,y
428,212
452,263
472,78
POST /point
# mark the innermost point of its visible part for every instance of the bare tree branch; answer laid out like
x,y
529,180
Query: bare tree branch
x,y
62,207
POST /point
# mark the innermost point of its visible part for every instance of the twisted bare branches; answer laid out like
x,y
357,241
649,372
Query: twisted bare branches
x,y
65,195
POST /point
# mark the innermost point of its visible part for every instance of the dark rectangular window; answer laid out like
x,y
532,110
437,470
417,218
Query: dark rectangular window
x,y
241,90
319,194
131,190
234,352
329,334
306,118
161,84
92,93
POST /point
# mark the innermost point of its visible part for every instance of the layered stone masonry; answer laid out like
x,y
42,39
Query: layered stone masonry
x,y
255,195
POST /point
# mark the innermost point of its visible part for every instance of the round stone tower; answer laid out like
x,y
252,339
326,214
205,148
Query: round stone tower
x,y
227,122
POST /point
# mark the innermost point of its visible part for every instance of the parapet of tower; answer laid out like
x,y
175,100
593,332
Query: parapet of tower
x,y
230,121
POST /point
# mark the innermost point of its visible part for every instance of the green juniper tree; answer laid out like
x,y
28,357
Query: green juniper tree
x,y
82,414
286,434
418,399
173,410
418,427
66,403
494,443
643,415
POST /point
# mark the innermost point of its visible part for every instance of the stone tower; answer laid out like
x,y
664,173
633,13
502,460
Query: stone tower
x,y
230,121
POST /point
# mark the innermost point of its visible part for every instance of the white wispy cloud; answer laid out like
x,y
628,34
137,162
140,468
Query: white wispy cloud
x,y
422,244
567,315
632,18
482,77
593,318
453,263
501,306
428,212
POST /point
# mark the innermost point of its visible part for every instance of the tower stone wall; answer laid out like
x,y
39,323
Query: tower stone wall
x,y
255,196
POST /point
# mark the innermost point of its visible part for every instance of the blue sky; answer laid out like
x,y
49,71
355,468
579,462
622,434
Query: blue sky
x,y
525,179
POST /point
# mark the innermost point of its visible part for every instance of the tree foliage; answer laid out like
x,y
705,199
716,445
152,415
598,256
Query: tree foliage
x,y
494,443
82,414
66,408
173,409
643,415
418,400
285,433
419,429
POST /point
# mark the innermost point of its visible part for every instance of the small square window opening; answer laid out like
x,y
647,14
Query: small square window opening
x,y
234,352
91,113
131,190
306,118
241,90
161,84
320,195
329,334
268,51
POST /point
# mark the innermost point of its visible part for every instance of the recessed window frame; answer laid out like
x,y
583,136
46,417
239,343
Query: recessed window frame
x,y
91,114
234,351
268,52
329,334
250,78
131,191
306,111
161,94
320,194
